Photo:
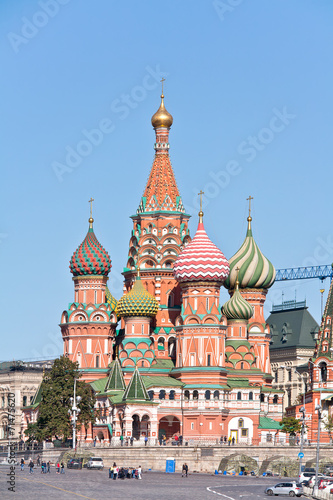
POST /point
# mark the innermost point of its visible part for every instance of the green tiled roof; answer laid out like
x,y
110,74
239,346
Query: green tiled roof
x,y
151,381
206,386
163,364
136,390
116,398
268,423
115,380
99,385
38,396
238,382
270,389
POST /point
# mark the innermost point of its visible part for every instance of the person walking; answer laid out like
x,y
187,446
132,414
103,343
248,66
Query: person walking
x,y
131,440
38,461
225,439
229,441
111,473
121,440
233,440
139,472
31,466
183,470
22,463
146,440
186,470
58,468
48,467
62,471
221,440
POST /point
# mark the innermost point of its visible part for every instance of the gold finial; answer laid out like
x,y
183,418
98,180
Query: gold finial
x,y
249,200
249,217
201,212
138,272
91,220
162,118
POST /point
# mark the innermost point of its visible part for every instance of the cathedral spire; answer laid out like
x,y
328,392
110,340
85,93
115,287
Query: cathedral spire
x,y
161,192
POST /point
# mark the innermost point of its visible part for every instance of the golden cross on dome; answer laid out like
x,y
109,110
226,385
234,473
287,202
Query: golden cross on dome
x,y
237,282
90,201
249,200
200,194
162,81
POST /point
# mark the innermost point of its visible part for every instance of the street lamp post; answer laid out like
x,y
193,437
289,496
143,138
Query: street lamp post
x,y
317,408
74,411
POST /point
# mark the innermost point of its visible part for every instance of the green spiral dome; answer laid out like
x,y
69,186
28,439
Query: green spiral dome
x,y
138,302
237,307
254,269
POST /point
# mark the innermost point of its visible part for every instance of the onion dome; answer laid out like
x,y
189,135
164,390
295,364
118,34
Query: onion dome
x,y
255,270
201,260
161,118
237,307
110,299
90,257
137,302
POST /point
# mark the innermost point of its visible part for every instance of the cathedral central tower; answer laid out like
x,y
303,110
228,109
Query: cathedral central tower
x,y
160,232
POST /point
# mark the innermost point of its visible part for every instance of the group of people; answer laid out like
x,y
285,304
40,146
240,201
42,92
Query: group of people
x,y
45,466
229,441
116,472
176,439
31,465
127,440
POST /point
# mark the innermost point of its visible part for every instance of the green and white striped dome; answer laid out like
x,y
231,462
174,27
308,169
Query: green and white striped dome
x,y
255,270
237,307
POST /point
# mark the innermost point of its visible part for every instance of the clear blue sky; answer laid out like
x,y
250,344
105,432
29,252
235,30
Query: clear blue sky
x,y
232,71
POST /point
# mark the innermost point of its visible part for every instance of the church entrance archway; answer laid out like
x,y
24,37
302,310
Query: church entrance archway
x,y
168,426
136,427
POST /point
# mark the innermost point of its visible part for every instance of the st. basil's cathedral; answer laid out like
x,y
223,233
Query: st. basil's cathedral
x,y
167,359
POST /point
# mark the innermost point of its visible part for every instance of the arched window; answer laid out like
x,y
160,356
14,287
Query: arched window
x,y
240,423
24,400
323,372
195,395
151,395
207,394
162,394
216,395
250,396
172,395
170,300
275,399
186,395
160,344
239,396
262,398
97,361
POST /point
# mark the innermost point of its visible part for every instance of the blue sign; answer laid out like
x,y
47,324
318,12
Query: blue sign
x,y
300,455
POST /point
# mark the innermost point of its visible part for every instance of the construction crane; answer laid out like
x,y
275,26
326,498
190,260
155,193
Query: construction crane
x,y
304,273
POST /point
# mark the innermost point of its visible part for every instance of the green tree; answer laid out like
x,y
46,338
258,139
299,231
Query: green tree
x,y
328,424
56,390
290,425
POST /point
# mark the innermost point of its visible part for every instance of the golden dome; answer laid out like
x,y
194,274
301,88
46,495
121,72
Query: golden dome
x,y
162,118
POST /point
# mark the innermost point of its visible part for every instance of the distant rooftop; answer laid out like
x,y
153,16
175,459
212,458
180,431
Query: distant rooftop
x,y
289,305
26,365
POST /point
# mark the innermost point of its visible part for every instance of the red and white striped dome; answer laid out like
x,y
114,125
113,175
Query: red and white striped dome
x,y
201,260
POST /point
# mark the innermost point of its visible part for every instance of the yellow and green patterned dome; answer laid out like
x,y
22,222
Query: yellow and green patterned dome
x,y
138,302
110,299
